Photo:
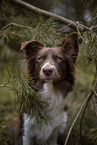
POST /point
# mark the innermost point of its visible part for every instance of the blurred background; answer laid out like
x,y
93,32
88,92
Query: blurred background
x,y
19,24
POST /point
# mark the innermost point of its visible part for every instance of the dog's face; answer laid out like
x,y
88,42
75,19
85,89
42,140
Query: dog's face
x,y
52,64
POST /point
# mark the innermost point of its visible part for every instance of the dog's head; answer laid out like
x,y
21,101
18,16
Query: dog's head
x,y
52,64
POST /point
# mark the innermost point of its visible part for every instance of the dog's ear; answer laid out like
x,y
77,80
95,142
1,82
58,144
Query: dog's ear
x,y
31,47
70,46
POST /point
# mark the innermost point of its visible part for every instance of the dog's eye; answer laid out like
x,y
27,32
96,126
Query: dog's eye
x,y
40,58
59,59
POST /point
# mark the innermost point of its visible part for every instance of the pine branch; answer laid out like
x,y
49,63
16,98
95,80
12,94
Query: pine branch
x,y
45,13
86,104
82,109
95,101
78,114
26,97
14,24
5,85
95,91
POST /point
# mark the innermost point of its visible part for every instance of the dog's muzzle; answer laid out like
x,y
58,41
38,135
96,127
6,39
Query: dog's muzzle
x,y
48,72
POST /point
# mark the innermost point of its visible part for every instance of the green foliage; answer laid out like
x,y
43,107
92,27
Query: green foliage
x,y
88,50
5,135
28,26
28,100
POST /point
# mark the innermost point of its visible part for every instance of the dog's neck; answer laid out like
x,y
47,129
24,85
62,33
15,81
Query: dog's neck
x,y
55,98
63,86
50,89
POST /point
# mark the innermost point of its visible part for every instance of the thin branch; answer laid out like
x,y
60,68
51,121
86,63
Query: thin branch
x,y
90,96
5,85
85,106
14,24
48,14
83,26
95,93
78,114
95,104
95,89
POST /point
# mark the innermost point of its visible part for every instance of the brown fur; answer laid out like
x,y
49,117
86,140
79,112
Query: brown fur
x,y
68,50
16,127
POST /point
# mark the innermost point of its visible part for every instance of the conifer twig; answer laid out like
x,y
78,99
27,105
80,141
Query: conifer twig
x,y
48,14
90,95
5,85
95,93
95,90
83,108
95,103
83,105
14,24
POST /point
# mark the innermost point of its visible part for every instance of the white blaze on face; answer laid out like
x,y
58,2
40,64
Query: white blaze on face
x,y
48,64
54,76
45,65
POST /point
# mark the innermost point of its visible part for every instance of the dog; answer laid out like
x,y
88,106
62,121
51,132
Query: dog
x,y
52,73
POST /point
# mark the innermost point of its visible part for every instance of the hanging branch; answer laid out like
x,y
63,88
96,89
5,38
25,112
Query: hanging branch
x,y
83,108
45,13
91,95
78,114
95,101
95,91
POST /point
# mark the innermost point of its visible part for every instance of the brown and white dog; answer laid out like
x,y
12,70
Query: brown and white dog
x,y
52,72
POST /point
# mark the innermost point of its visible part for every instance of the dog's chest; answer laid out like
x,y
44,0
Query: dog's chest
x,y
55,99
55,110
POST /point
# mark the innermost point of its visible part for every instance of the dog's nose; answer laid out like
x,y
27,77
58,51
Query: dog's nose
x,y
48,71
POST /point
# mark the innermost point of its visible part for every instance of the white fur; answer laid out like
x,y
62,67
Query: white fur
x,y
48,64
55,111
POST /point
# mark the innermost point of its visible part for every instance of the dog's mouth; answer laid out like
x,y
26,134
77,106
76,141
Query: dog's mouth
x,y
49,74
48,80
